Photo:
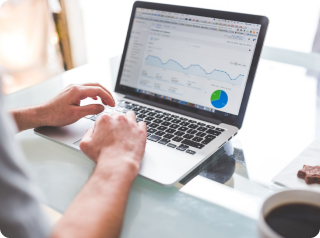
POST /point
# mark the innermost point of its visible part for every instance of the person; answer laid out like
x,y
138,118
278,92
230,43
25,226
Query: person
x,y
116,144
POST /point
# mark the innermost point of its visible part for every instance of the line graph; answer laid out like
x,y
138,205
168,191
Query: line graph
x,y
193,69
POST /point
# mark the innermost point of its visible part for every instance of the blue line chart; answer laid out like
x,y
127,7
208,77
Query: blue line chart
x,y
193,69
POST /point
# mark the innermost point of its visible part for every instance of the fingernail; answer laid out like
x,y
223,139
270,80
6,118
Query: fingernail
x,y
101,107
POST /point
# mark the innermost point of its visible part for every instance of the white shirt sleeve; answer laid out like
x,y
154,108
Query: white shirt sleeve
x,y
20,211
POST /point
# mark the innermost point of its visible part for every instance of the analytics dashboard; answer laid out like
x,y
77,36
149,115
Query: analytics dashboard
x,y
197,61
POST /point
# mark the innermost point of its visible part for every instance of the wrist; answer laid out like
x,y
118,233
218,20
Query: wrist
x,y
121,166
28,117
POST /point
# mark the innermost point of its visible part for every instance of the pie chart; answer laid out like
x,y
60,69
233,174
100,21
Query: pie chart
x,y
219,99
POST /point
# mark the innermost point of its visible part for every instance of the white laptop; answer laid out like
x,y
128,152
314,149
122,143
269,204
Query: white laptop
x,y
187,73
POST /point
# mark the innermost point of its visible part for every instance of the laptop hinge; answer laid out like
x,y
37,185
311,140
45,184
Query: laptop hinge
x,y
176,110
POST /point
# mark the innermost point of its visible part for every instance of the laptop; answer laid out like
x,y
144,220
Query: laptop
x,y
188,73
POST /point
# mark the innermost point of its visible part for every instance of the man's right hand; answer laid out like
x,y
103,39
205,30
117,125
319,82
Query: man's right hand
x,y
116,140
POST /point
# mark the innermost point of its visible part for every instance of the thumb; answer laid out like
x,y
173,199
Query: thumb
x,y
86,138
91,109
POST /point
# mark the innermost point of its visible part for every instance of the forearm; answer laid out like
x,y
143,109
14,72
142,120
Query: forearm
x,y
28,117
98,210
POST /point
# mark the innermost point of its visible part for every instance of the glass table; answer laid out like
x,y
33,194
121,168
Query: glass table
x,y
220,198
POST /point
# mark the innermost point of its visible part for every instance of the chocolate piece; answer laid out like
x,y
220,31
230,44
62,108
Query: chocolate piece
x,y
311,174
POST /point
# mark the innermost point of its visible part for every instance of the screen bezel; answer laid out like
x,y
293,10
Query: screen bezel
x,y
235,120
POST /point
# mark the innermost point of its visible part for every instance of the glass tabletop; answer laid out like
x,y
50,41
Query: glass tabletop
x,y
222,196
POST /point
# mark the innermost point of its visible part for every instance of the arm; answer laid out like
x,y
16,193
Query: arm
x,y
64,109
98,210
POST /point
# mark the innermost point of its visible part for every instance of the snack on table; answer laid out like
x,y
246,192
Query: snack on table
x,y
311,174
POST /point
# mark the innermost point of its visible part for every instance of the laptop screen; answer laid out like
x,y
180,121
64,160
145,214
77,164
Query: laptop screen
x,y
197,61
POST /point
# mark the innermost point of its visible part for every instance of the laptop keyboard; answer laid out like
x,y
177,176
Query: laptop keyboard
x,y
167,129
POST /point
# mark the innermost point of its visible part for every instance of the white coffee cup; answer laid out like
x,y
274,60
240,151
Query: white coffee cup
x,y
284,198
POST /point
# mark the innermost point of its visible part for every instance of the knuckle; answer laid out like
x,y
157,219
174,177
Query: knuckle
x,y
104,118
74,88
121,117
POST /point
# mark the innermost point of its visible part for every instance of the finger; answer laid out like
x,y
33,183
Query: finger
x,y
94,91
99,85
91,109
142,125
87,136
131,116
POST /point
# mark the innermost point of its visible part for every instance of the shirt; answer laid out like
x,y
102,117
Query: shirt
x,y
21,215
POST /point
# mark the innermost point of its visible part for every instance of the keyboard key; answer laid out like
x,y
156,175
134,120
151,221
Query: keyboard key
x,y
154,138
193,126
197,139
192,144
211,127
94,118
160,133
188,136
210,137
191,131
191,121
159,116
202,129
174,126
147,122
175,121
158,111
141,116
191,152
165,123
206,141
179,133
167,118
182,147
158,121
152,130
168,136
174,116
171,145
163,141
136,109
182,128
219,129
143,111
139,119
171,131
166,114
153,125
148,118
184,123
212,132
177,139
129,107
201,134
151,114
183,119
148,134
162,128
201,124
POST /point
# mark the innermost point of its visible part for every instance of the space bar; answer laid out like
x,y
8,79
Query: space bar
x,y
192,143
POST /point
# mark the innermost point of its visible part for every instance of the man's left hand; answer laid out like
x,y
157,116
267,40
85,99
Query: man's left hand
x,y
64,109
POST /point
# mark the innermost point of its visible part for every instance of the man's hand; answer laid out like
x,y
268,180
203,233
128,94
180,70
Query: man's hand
x,y
64,109
116,141
117,144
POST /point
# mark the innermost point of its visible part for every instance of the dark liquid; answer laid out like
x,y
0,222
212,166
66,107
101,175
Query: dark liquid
x,y
295,220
